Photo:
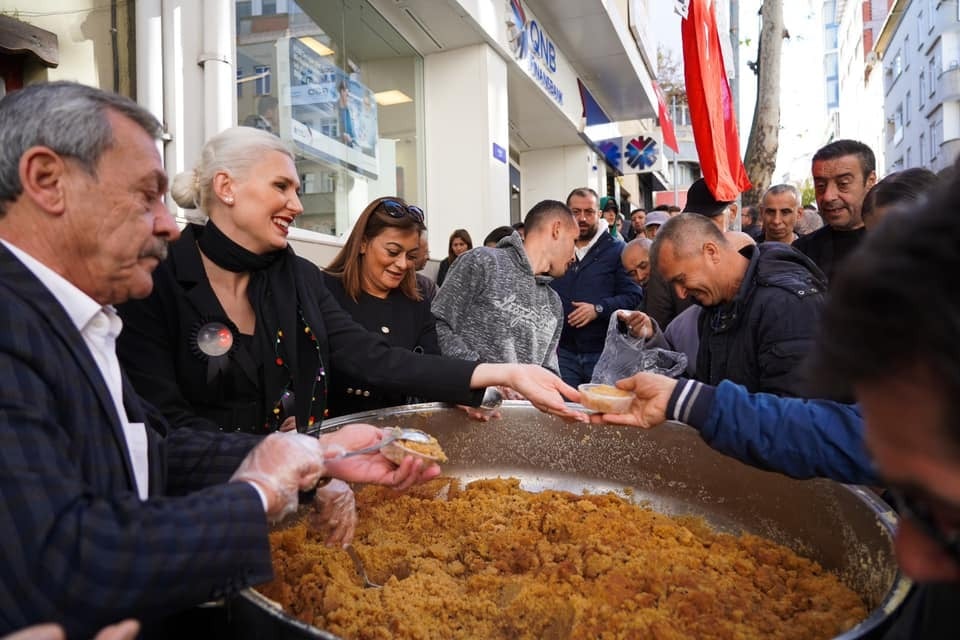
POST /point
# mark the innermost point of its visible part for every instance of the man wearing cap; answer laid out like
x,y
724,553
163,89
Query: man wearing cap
x,y
661,300
843,172
595,286
653,222
761,303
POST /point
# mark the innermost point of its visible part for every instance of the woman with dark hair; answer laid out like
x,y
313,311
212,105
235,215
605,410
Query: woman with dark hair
x,y
373,279
240,334
899,188
494,237
460,242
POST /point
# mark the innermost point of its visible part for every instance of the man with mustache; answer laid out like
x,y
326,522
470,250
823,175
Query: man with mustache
x,y
105,513
843,172
779,209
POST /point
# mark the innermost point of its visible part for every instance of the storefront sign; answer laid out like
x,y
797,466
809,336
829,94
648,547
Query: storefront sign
x,y
634,154
533,49
325,113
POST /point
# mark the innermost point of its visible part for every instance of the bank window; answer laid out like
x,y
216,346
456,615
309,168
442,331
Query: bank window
x,y
341,87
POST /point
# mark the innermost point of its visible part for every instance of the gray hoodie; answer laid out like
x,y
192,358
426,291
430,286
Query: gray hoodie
x,y
493,308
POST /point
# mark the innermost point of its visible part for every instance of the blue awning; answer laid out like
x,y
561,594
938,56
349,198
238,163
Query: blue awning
x,y
593,113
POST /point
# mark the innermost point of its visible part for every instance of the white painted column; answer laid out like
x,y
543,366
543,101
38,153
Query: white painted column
x,y
465,110
551,174
219,69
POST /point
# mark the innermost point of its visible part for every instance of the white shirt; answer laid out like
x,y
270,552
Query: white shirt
x,y
99,326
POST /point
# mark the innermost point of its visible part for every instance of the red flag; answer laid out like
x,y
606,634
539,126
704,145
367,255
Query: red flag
x,y
666,124
711,106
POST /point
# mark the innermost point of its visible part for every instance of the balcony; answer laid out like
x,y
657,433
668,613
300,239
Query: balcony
x,y
949,87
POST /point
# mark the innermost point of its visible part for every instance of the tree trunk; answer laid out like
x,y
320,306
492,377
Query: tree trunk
x,y
761,156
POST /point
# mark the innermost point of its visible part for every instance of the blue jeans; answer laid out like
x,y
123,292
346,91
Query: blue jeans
x,y
576,368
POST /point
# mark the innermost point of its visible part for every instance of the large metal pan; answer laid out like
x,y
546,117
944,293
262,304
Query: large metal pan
x,y
844,528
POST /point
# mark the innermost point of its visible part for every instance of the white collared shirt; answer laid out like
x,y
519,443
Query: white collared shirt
x,y
99,326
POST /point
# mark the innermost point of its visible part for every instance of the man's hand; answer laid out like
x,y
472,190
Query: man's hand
x,y
639,323
649,407
583,314
282,465
335,513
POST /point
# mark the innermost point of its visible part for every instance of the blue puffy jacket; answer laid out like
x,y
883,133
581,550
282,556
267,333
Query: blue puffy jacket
x,y
799,438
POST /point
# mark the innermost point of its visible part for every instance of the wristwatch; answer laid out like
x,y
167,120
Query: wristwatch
x,y
598,308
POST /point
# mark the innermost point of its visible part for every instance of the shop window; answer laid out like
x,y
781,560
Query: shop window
x,y
335,81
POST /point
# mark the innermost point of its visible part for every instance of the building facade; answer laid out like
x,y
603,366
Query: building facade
x,y
473,109
919,48
854,92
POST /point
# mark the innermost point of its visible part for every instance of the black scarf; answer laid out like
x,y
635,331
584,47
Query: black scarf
x,y
283,342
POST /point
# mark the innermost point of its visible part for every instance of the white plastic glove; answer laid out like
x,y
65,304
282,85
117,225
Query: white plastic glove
x,y
335,513
281,466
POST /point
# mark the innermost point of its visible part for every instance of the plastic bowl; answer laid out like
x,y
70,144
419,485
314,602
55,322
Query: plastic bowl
x,y
397,450
605,398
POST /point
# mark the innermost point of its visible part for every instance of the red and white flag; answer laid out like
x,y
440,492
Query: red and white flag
x,y
666,124
711,105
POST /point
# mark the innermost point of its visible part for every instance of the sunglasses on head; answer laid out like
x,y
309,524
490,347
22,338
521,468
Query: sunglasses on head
x,y
397,210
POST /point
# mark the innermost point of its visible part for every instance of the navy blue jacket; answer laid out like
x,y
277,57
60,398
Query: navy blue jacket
x,y
760,338
799,438
598,279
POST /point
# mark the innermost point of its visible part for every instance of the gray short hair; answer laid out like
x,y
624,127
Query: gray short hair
x,y
235,150
69,118
686,232
777,189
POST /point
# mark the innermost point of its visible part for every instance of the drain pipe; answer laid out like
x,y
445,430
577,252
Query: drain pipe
x,y
219,70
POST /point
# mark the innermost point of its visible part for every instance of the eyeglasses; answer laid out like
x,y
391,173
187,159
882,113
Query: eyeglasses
x,y
397,210
921,514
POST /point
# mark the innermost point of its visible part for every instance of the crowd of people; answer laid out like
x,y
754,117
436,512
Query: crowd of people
x,y
141,467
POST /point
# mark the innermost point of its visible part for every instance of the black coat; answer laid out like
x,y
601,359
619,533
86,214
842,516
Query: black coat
x,y
404,323
828,248
156,350
760,338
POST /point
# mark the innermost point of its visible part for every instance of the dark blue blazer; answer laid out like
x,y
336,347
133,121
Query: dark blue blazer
x,y
598,279
79,547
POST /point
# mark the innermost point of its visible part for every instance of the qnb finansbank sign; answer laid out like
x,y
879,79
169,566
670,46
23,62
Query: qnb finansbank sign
x,y
536,53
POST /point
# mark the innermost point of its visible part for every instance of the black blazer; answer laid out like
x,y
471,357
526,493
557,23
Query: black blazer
x,y
155,346
402,322
79,546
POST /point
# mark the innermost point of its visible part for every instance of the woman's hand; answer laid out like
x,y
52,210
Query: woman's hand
x,y
542,388
371,468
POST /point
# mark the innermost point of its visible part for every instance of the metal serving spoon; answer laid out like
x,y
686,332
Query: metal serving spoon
x,y
358,565
393,433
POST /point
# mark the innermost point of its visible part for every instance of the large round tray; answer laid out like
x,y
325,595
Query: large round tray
x,y
845,528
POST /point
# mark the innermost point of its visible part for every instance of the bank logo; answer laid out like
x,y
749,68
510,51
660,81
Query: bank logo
x,y
642,153
516,29
611,152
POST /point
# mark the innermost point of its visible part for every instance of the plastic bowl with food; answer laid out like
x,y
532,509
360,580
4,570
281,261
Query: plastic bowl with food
x,y
605,398
397,450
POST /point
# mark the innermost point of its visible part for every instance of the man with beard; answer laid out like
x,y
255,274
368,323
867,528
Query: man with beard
x,y
595,286
843,172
